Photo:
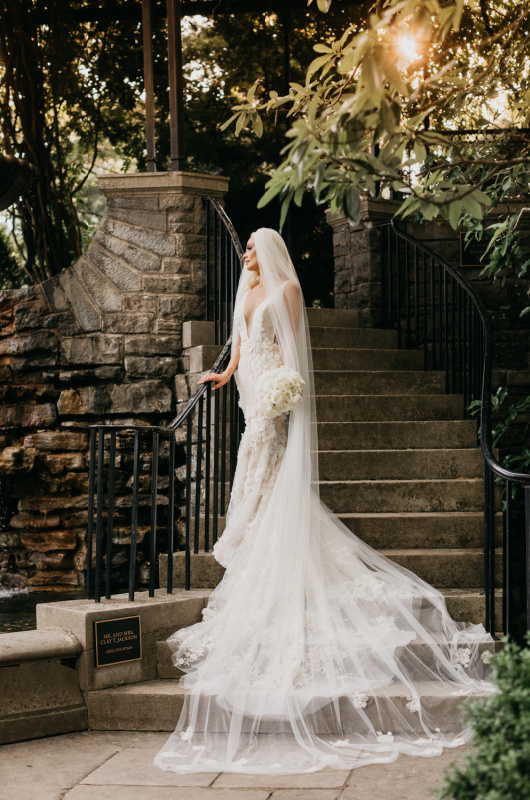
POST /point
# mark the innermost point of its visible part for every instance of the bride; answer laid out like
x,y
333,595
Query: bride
x,y
314,650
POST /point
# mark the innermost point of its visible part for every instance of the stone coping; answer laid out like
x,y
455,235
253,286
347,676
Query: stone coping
x,y
35,645
156,182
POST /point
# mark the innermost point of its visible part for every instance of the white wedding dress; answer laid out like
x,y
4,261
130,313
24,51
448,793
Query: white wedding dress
x,y
314,650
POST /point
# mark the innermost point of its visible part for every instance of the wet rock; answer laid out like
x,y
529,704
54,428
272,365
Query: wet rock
x,y
23,520
24,416
97,349
56,440
43,541
141,367
28,343
17,459
56,559
152,345
61,462
46,578
142,398
84,400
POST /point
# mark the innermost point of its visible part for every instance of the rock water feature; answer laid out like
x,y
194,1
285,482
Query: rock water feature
x,y
100,342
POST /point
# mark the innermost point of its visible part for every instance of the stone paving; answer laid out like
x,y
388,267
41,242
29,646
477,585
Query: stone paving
x,y
96,765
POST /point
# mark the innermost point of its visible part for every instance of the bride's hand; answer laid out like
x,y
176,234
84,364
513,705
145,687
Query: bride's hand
x,y
220,377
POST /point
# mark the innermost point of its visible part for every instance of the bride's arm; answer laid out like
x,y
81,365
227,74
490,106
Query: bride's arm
x,y
223,377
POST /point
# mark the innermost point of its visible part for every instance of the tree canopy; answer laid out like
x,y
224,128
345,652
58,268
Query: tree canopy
x,y
366,103
380,102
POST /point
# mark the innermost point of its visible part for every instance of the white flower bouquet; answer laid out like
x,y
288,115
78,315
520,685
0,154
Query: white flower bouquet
x,y
279,390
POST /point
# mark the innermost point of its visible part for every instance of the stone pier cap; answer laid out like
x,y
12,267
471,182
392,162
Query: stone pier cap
x,y
160,616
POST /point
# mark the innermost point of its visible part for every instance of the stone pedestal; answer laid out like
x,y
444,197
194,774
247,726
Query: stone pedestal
x,y
160,616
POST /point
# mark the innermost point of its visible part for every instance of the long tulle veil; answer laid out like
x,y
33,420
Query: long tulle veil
x,y
315,650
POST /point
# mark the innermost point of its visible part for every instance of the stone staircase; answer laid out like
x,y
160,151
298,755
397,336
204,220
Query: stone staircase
x,y
398,464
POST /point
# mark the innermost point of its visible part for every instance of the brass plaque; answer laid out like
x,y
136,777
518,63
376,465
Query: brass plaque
x,y
117,641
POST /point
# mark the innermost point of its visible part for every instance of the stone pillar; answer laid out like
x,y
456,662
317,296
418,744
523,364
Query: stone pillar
x,y
357,255
102,341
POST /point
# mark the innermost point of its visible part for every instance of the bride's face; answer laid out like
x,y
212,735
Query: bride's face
x,y
251,259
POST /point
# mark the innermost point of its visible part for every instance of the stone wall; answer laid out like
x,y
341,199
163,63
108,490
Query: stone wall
x,y
100,342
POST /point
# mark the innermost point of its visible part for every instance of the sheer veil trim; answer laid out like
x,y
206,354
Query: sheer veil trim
x,y
314,650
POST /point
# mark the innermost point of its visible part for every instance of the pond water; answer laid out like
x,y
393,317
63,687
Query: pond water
x,y
17,607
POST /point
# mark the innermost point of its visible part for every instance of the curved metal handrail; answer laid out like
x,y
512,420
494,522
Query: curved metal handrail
x,y
486,438
196,396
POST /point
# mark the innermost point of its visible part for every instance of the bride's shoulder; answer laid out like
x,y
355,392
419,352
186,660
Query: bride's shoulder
x,y
292,289
292,293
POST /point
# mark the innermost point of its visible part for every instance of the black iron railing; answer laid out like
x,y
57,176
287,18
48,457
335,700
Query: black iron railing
x,y
133,498
434,309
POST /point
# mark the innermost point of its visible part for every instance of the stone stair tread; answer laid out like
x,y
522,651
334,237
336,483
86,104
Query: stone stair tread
x,y
415,450
413,514
438,551
404,481
167,686
434,551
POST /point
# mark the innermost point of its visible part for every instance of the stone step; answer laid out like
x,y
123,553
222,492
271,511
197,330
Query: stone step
x,y
468,605
156,706
347,358
419,667
431,530
394,494
351,381
444,529
396,435
443,568
333,317
463,494
446,568
359,338
199,332
400,464
202,358
387,407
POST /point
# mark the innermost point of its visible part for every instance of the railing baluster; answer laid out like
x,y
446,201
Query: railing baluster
x,y
223,452
425,343
433,317
390,319
110,513
90,525
170,514
416,300
99,514
197,517
187,555
460,339
446,343
407,293
215,465
221,282
453,337
489,588
440,318
215,280
207,276
134,514
398,295
507,541
207,476
154,511
527,544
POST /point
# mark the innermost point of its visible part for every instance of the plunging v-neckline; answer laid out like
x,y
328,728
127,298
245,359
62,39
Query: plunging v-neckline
x,y
253,316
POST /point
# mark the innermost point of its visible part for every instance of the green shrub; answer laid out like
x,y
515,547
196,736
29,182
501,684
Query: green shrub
x,y
500,767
